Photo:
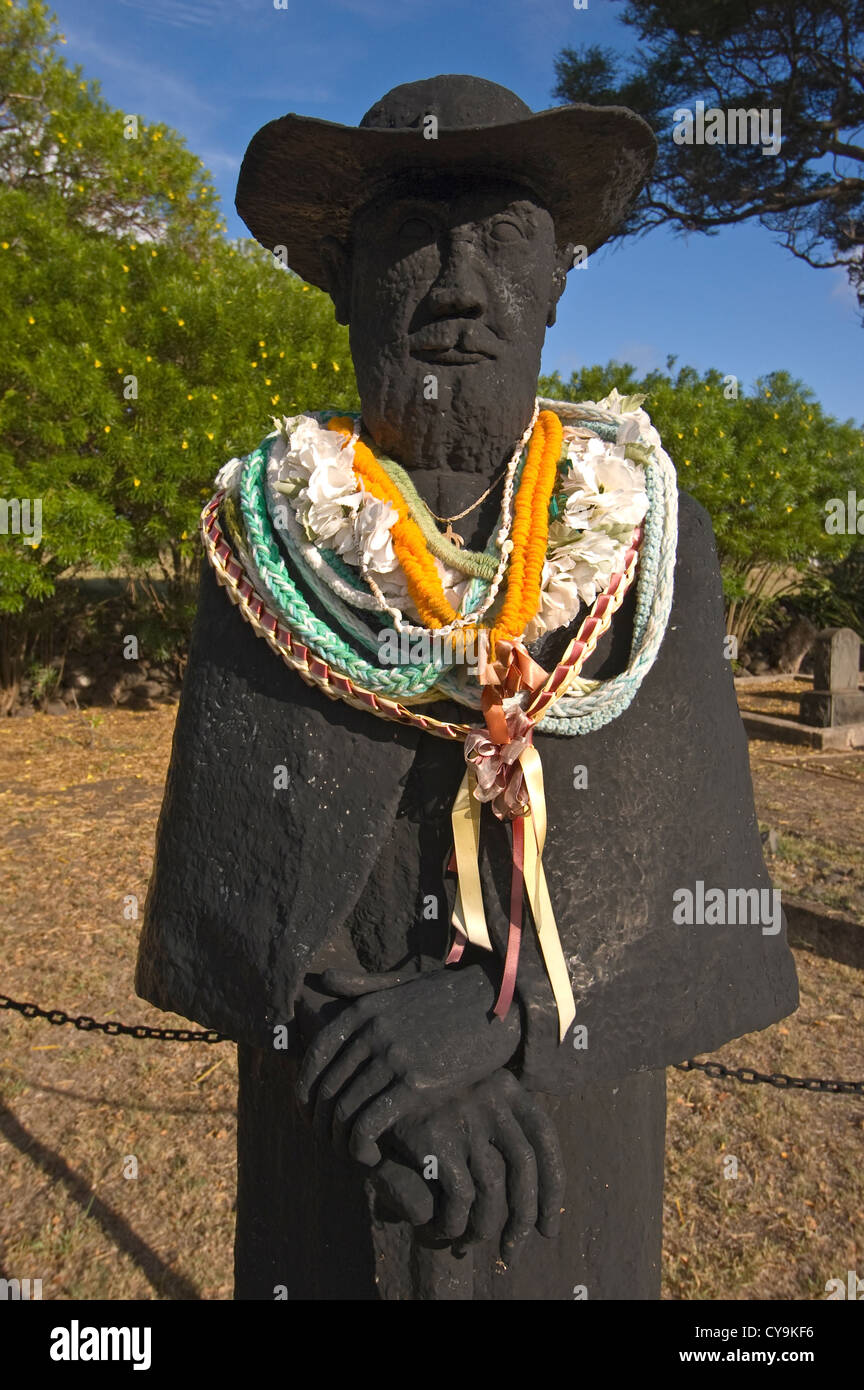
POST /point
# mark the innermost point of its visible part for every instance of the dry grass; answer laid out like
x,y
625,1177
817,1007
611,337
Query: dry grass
x,y
80,796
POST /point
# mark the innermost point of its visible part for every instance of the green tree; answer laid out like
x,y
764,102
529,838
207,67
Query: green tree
x,y
114,172
140,350
801,58
763,463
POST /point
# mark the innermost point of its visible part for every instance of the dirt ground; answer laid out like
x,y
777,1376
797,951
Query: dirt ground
x,y
815,803
81,1114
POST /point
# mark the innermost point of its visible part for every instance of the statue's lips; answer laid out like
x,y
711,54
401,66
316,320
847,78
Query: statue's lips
x,y
451,356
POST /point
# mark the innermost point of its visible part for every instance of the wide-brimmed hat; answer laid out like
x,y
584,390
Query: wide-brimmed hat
x,y
303,179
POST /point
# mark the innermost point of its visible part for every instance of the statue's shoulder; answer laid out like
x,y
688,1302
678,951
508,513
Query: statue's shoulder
x,y
697,543
697,615
694,519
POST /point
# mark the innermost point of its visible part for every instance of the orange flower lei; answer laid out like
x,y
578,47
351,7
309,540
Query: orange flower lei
x,y
530,533
530,530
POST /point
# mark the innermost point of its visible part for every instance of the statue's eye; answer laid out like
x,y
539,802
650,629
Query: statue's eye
x,y
505,229
417,230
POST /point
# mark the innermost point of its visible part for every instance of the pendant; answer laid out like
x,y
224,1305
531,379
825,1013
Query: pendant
x,y
451,536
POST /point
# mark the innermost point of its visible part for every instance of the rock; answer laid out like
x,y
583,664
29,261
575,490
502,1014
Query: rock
x,y
835,697
55,707
795,645
769,840
835,659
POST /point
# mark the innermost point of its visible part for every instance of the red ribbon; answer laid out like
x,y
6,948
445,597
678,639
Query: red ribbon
x,y
514,937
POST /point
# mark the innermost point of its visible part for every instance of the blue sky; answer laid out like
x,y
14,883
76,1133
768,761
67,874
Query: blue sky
x,y
216,70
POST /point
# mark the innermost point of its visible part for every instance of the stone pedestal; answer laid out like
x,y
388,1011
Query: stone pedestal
x,y
835,698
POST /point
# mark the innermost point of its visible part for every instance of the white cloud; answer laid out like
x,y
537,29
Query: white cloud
x,y
190,14
220,161
144,80
643,356
842,287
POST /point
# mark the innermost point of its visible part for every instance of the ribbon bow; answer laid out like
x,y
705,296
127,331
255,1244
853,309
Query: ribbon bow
x,y
507,772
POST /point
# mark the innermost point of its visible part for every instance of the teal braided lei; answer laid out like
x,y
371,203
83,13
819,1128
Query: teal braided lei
x,y
285,593
282,573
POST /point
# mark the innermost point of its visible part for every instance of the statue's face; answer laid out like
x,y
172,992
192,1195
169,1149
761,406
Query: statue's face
x,y
448,288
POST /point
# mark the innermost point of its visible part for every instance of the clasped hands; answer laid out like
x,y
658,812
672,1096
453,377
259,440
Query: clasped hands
x,y
411,1078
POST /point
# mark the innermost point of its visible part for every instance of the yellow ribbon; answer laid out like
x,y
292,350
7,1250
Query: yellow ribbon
x,y
469,916
538,893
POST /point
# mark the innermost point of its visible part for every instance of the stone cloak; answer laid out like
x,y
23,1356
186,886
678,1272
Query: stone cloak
x,y
253,882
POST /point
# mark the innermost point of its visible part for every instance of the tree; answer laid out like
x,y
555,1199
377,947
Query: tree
x,y
113,172
140,351
763,463
800,59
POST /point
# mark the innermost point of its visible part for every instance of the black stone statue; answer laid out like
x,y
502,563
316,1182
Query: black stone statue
x,y
406,1143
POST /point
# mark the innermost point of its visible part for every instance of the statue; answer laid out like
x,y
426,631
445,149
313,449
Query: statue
x,y
437,797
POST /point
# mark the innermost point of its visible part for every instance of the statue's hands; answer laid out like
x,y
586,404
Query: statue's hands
x,y
487,1159
403,1047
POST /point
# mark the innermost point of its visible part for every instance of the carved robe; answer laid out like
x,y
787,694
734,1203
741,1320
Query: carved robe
x,y
256,887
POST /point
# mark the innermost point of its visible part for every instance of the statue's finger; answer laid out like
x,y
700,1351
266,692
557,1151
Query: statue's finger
x,y
404,1190
399,1100
369,1082
456,1197
509,1138
324,1048
334,1078
540,1131
489,1210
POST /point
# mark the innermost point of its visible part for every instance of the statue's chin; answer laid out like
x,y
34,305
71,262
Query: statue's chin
x,y
461,418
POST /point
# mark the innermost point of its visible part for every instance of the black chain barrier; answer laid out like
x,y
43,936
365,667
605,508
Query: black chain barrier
x,y
715,1070
775,1078
131,1030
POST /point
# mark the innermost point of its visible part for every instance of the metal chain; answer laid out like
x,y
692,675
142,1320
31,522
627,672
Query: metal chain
x,y
132,1030
716,1070
785,1083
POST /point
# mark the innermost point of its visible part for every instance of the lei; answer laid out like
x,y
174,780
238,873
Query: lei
x,y
316,521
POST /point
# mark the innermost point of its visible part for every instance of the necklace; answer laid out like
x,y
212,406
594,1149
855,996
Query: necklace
x,y
450,534
502,539
348,539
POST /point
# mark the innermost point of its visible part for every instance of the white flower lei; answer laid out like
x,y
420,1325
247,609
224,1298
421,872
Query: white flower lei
x,y
603,493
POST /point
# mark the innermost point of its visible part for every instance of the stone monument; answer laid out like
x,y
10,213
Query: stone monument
x,y
435,891
835,698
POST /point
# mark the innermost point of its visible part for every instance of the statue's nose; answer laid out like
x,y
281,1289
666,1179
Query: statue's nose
x,y
458,291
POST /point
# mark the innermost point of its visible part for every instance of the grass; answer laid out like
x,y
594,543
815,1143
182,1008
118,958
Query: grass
x,y
79,798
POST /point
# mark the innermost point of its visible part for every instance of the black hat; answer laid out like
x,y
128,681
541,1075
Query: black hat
x,y
302,178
